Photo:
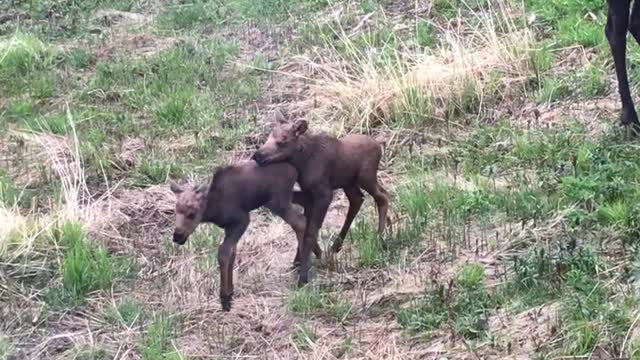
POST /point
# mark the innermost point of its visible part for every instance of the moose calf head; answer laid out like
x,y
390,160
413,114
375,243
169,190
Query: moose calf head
x,y
282,142
190,207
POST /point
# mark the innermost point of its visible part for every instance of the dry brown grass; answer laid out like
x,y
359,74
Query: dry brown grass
x,y
348,89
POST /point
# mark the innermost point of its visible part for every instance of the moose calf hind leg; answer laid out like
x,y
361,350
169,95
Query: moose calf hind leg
x,y
356,198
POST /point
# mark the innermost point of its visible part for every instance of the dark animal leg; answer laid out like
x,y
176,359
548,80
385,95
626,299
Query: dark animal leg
x,y
616,32
304,199
634,22
321,201
356,198
381,196
226,258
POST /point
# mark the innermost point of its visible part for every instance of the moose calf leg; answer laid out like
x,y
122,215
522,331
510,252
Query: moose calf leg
x,y
321,202
226,258
356,198
381,197
304,199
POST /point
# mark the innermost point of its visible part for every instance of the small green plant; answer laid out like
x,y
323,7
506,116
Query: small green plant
x,y
186,15
425,34
156,343
53,123
470,276
22,55
19,110
91,353
303,337
592,81
341,309
345,347
582,31
126,312
6,348
9,194
306,300
465,306
79,58
365,238
552,89
85,267
155,171
176,111
43,87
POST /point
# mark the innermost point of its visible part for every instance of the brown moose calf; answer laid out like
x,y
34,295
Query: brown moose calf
x,y
235,191
325,164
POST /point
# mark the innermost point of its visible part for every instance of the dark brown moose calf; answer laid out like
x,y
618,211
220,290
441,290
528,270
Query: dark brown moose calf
x,y
235,191
325,164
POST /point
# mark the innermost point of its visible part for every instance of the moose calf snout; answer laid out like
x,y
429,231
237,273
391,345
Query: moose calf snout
x,y
179,237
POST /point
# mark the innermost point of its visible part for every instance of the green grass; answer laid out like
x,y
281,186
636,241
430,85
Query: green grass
x,y
84,267
79,58
306,300
9,193
91,353
465,306
303,337
425,34
6,348
570,195
152,170
126,312
314,301
186,15
158,336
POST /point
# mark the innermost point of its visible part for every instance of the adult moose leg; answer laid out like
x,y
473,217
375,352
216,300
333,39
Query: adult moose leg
x,y
321,199
616,32
356,198
226,258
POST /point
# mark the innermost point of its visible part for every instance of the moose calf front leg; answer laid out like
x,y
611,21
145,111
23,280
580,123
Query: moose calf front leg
x,y
321,202
305,200
226,258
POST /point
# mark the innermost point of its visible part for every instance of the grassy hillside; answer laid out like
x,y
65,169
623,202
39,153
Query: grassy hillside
x,y
515,197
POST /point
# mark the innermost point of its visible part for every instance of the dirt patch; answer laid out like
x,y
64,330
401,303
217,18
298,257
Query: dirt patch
x,y
130,149
598,114
527,332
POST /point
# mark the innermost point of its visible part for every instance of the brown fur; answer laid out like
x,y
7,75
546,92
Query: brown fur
x,y
234,192
325,164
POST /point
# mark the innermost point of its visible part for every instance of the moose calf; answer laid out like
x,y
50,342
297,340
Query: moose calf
x,y
235,191
325,164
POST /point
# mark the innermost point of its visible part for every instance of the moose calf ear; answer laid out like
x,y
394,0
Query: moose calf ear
x,y
300,127
278,117
175,188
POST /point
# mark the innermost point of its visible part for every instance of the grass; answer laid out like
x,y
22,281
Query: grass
x,y
126,312
464,304
84,267
493,215
157,341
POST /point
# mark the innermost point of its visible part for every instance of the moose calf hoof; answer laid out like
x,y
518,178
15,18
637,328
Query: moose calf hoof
x,y
336,247
225,301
